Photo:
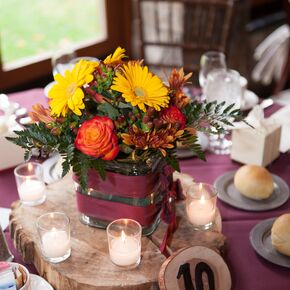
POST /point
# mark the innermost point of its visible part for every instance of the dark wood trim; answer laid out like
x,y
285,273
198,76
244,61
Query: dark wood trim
x,y
119,34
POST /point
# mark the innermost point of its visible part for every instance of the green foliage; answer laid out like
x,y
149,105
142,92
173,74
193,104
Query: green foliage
x,y
191,141
212,117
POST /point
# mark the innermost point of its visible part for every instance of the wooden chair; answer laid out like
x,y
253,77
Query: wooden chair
x,y
176,33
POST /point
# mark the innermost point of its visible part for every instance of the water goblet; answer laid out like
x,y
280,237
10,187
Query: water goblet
x,y
223,85
209,61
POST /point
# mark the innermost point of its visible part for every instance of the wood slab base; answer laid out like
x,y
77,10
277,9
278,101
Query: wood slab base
x,y
89,266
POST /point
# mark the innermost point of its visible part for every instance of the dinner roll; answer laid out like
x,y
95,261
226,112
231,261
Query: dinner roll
x,y
280,234
254,182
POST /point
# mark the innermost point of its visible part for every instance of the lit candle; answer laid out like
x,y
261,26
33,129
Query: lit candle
x,y
55,243
31,190
125,250
124,240
201,209
30,184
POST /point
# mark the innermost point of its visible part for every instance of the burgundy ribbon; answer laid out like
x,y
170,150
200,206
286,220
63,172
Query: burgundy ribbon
x,y
173,192
107,210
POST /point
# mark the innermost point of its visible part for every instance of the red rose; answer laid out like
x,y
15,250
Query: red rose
x,y
173,115
96,138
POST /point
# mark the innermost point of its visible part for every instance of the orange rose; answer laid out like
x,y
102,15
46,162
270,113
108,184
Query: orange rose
x,y
96,138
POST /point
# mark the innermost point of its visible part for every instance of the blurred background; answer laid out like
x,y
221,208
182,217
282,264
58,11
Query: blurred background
x,y
34,34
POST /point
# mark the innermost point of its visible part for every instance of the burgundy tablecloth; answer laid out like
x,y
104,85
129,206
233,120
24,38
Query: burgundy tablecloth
x,y
249,271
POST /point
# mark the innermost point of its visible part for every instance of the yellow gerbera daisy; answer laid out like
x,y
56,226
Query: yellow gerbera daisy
x,y
67,93
140,87
118,54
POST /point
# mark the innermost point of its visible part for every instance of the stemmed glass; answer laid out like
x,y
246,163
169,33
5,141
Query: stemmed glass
x,y
209,61
223,85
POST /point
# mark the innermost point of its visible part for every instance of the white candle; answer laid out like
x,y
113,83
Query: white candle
x,y
55,243
125,250
201,211
31,190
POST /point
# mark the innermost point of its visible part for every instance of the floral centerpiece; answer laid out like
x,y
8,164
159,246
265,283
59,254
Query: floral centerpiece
x,y
116,111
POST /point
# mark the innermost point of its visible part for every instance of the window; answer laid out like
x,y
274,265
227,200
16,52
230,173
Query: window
x,y
31,34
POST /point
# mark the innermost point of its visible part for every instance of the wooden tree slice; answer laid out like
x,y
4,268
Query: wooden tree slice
x,y
89,266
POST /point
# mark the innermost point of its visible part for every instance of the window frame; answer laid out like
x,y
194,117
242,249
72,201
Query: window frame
x,y
118,15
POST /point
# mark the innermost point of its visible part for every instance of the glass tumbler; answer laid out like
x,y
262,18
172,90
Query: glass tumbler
x,y
54,233
30,184
124,240
201,205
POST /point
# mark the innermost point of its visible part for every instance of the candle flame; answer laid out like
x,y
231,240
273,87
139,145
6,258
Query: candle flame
x,y
200,187
53,229
30,167
202,199
123,236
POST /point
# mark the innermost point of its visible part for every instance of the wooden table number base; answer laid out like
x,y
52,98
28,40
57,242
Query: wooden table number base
x,y
89,266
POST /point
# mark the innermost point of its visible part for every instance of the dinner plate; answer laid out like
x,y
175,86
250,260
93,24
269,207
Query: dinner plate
x,y
187,153
38,283
228,193
51,170
260,238
250,99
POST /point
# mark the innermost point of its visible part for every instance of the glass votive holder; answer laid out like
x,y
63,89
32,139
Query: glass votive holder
x,y
30,184
54,233
201,205
124,239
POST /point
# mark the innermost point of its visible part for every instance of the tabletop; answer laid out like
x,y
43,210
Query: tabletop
x,y
248,270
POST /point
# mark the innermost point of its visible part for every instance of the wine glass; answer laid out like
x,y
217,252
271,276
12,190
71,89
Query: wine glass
x,y
62,60
223,85
209,61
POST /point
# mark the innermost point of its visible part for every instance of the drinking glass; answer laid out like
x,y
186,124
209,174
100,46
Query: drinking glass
x,y
209,61
223,85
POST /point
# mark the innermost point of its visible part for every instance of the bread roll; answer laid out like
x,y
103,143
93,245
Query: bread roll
x,y
254,182
280,234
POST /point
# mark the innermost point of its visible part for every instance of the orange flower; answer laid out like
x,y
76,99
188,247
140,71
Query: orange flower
x,y
157,139
41,114
96,138
176,81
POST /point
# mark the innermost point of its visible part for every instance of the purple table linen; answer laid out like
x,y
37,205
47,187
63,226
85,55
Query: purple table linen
x,y
248,270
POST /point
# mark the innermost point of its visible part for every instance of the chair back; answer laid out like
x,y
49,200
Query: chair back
x,y
176,33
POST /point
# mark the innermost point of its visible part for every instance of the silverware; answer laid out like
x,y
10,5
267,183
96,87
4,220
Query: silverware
x,y
266,103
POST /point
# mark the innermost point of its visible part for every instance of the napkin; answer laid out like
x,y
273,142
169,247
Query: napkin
x,y
271,54
282,117
257,120
4,217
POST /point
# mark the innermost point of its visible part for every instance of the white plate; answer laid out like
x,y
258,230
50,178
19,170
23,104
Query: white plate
x,y
250,100
47,88
38,283
51,171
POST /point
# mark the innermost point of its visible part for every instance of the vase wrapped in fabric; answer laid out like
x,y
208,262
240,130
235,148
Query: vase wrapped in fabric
x,y
131,190
103,112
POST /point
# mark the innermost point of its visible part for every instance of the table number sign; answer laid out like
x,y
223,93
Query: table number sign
x,y
194,268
